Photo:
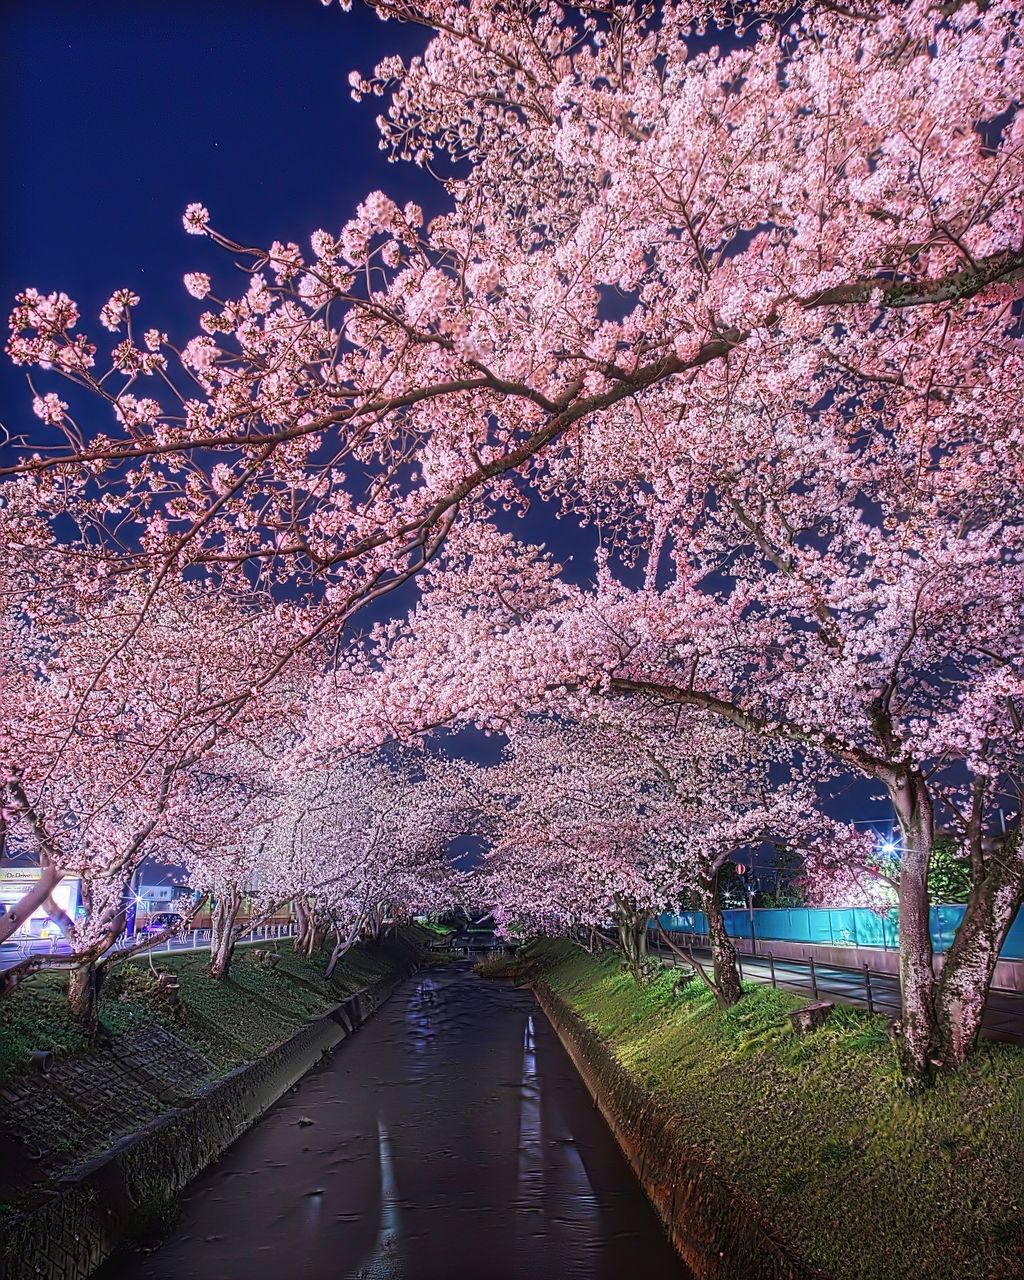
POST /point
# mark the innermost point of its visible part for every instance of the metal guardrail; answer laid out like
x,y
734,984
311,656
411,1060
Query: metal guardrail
x,y
445,946
201,939
859,984
192,940
863,985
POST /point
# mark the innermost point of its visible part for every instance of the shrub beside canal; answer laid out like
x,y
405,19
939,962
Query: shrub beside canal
x,y
861,1178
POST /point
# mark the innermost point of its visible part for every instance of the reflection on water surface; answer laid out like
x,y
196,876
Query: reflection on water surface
x,y
451,1137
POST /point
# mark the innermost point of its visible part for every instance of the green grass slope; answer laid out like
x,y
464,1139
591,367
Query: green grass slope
x,y
228,1022
868,1181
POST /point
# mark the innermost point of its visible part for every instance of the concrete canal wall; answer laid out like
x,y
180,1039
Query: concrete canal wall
x,y
718,1231
74,1223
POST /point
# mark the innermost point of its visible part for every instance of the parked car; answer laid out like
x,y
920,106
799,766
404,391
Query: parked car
x,y
160,921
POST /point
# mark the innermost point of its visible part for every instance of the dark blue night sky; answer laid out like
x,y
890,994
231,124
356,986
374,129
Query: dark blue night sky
x,y
118,114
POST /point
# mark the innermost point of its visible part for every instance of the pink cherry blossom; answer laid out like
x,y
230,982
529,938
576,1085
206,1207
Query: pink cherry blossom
x,y
746,309
49,408
197,283
195,219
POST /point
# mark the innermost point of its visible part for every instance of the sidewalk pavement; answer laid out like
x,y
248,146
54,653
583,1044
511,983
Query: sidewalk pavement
x,y
1004,1013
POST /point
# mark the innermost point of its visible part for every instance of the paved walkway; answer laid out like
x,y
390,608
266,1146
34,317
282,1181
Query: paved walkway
x,y
1004,1013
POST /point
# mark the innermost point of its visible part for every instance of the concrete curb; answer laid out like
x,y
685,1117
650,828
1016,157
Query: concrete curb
x,y
79,1221
717,1230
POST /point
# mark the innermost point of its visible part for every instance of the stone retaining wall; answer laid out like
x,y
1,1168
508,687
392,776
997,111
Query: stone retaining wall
x,y
718,1231
77,1221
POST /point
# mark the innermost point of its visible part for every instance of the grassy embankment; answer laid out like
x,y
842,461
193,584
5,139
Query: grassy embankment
x,y
867,1181
227,1022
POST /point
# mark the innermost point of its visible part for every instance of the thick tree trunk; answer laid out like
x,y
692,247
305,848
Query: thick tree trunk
x,y
376,924
301,917
970,962
83,995
86,977
916,1030
632,928
221,957
309,934
723,954
223,935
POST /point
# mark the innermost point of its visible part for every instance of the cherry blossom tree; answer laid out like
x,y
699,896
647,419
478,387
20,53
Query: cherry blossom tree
x,y
569,817
628,813
898,655
351,846
225,844
26,550
112,698
888,647
652,215
740,289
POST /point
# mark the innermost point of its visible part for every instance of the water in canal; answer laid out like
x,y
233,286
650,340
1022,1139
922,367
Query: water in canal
x,y
450,1137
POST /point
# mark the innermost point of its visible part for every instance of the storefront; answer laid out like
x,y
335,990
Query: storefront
x,y
15,882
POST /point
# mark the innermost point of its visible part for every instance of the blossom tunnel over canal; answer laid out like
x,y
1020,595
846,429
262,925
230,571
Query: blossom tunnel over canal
x,y
451,1135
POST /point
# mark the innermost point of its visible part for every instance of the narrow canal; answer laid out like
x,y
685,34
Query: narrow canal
x,y
449,1137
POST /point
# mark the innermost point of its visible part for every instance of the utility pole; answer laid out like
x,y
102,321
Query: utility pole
x,y
743,871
